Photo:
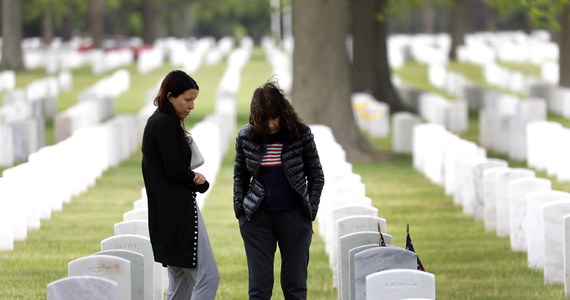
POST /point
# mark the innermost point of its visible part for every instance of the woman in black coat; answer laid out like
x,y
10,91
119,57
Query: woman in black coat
x,y
177,232
278,181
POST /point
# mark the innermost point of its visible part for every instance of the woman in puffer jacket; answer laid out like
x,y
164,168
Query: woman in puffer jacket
x,y
278,181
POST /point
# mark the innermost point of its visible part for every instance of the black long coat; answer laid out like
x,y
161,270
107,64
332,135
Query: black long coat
x,y
171,192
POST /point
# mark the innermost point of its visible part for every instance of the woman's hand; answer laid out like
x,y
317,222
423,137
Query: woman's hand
x,y
199,178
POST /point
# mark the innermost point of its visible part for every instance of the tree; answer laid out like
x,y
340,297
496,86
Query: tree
x,y
458,26
96,22
322,85
151,25
12,57
370,67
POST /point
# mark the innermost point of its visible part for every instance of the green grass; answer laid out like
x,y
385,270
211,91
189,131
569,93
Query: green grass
x,y
468,262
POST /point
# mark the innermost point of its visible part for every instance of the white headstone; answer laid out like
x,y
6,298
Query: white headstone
x,y
137,270
138,227
136,214
403,124
152,270
566,242
338,212
553,215
518,188
351,241
347,282
535,224
106,266
400,284
378,259
489,186
479,197
82,287
502,198
350,225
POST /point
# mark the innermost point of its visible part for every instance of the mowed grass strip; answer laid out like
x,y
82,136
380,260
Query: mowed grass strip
x,y
468,262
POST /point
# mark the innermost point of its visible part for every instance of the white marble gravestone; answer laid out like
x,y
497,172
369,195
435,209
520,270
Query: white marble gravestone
x,y
82,287
137,270
379,259
479,197
350,241
400,284
518,188
136,214
535,224
347,282
138,227
489,186
403,124
153,282
553,214
339,212
502,197
566,242
106,266
349,225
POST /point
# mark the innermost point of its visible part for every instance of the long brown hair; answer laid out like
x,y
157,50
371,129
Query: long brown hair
x,y
269,102
174,84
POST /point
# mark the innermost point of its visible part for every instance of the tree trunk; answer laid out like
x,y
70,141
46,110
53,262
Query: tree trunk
x,y
321,72
564,45
12,58
428,19
364,46
457,27
47,25
96,22
66,27
384,88
371,71
151,23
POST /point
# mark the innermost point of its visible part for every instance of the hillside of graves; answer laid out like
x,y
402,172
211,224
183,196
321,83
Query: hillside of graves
x,y
468,259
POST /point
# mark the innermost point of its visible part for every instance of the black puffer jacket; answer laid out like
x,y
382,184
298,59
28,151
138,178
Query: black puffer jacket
x,y
300,160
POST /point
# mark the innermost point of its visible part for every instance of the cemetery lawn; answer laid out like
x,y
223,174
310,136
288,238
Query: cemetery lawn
x,y
468,262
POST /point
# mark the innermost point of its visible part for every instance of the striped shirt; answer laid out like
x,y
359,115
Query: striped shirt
x,y
279,194
272,156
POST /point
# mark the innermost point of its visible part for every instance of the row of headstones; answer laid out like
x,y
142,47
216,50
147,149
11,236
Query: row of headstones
x,y
125,269
95,104
557,97
59,173
512,202
507,79
504,118
23,115
479,48
190,54
350,227
453,115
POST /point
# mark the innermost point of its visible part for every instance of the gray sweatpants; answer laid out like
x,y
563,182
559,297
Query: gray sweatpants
x,y
200,283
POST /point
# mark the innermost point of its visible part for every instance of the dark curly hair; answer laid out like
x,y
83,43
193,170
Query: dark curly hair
x,y
269,102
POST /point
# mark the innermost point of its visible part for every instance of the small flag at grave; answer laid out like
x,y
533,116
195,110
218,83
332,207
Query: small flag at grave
x,y
382,242
410,246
